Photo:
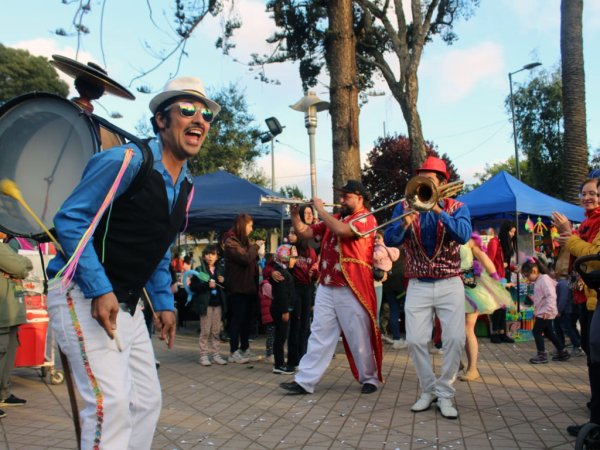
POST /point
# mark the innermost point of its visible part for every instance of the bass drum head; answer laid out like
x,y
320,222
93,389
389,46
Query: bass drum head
x,y
45,143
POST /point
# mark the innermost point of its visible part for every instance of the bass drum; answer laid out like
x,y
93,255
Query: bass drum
x,y
45,143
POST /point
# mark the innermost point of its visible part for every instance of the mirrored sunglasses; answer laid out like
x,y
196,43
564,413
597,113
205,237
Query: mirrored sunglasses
x,y
189,110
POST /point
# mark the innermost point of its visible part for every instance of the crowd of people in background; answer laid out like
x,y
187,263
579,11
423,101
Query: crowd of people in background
x,y
246,289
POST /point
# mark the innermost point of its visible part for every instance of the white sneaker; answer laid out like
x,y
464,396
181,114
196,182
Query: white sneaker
x,y
446,408
251,356
269,360
436,351
386,339
204,361
424,403
399,344
237,357
218,359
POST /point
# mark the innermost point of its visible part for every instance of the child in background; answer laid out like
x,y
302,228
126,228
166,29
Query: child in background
x,y
266,298
562,323
544,310
383,257
284,299
209,303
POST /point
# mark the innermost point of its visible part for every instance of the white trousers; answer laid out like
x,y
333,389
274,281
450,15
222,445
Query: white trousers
x,y
447,298
336,311
121,391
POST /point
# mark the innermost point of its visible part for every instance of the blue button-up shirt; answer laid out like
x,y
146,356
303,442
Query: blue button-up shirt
x,y
458,226
78,211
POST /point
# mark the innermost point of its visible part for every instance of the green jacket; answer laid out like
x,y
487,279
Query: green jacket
x,y
13,268
202,296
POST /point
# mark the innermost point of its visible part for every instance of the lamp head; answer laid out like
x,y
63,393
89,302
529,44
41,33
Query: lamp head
x,y
532,65
274,126
266,137
310,99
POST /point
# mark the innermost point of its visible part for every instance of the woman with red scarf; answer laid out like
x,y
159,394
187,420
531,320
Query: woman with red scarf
x,y
586,241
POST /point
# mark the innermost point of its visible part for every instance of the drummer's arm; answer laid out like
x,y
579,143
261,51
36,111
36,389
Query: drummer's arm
x,y
159,291
78,211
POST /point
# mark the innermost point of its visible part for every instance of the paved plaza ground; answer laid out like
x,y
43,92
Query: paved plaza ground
x,y
514,405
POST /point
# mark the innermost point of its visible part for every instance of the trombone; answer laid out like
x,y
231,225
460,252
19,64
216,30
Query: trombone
x,y
272,200
421,194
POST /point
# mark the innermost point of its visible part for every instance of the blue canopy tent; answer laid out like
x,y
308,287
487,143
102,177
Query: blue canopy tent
x,y
503,195
219,197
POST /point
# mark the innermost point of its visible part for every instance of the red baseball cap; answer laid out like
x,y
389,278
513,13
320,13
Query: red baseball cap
x,y
434,164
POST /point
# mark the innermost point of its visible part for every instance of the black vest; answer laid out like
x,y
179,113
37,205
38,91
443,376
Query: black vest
x,y
140,231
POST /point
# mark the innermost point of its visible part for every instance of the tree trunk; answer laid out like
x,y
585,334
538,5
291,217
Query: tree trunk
x,y
576,166
341,62
408,104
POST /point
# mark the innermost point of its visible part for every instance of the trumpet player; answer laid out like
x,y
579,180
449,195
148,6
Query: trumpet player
x,y
345,299
432,243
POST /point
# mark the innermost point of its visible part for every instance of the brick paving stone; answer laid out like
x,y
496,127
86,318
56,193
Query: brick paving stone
x,y
240,406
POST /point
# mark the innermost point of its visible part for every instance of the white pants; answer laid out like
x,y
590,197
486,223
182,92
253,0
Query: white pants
x,y
447,298
127,399
336,311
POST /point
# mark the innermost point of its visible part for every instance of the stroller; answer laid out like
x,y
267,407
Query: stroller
x,y
589,435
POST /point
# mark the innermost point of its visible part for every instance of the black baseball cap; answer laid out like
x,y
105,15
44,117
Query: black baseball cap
x,y
353,187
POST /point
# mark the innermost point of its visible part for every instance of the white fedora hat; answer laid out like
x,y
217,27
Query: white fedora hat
x,y
184,87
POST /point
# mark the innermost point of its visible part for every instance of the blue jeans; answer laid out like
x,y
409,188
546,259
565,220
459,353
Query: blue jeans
x,y
396,301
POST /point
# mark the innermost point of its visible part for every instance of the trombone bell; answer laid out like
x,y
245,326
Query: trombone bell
x,y
421,194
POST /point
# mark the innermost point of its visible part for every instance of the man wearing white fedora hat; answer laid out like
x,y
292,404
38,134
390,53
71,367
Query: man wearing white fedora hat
x,y
432,243
95,316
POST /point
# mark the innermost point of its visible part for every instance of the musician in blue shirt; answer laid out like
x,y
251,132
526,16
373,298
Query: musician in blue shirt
x,y
129,249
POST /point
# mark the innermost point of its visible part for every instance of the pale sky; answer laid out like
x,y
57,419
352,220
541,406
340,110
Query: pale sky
x,y
462,86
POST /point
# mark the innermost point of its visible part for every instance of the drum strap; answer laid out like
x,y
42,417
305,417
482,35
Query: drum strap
x,y
145,169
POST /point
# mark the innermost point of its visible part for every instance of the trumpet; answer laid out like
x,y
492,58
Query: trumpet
x,y
421,194
272,200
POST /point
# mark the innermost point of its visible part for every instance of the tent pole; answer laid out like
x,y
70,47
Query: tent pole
x,y
517,260
282,213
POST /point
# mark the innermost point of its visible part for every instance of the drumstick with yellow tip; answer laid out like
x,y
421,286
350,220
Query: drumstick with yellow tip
x,y
10,189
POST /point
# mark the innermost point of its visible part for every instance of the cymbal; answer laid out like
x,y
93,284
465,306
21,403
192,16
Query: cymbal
x,y
93,76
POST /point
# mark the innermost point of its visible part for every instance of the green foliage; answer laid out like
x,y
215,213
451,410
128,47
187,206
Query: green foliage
x,y
255,175
20,73
291,192
508,166
388,170
232,142
303,36
540,129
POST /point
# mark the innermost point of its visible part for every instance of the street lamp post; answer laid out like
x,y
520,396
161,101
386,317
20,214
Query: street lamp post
x,y
275,129
512,107
310,105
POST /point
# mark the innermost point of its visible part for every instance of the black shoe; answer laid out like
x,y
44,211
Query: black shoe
x,y
283,369
495,339
368,388
573,430
562,355
2,414
505,338
12,401
293,388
